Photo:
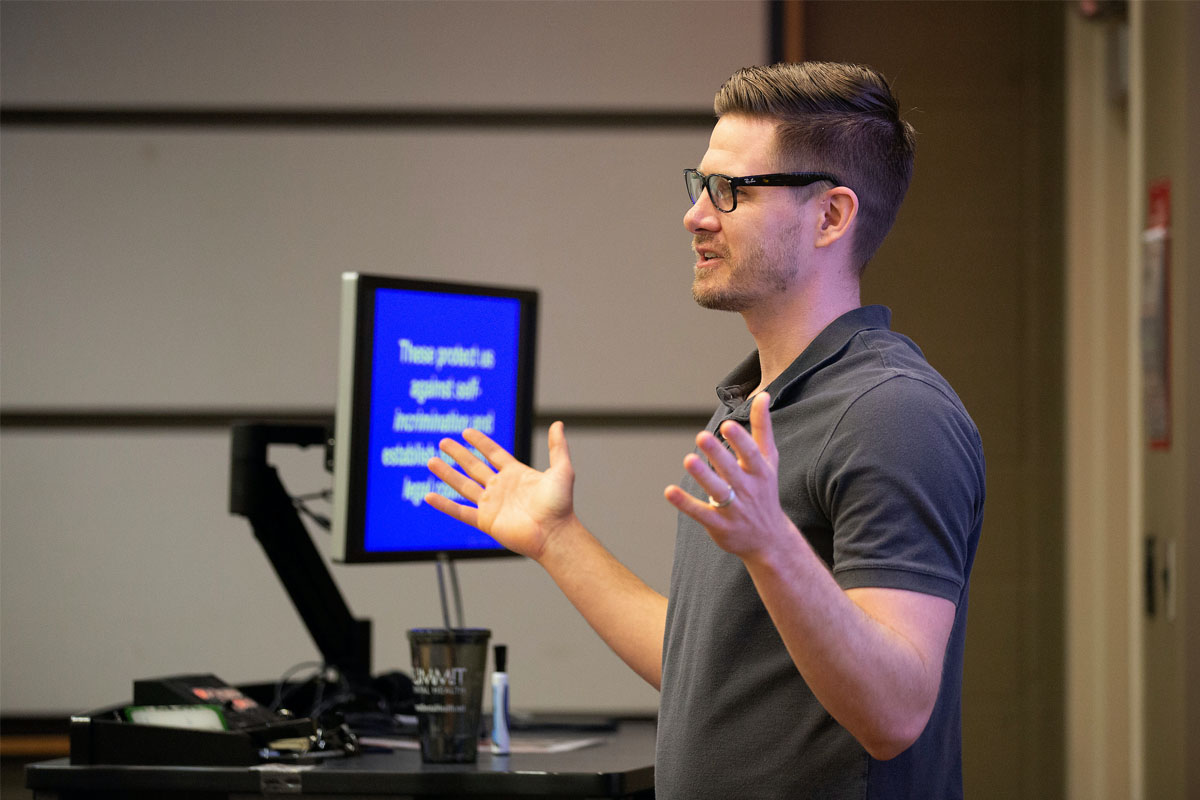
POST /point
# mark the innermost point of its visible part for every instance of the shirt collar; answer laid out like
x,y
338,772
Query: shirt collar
x,y
738,384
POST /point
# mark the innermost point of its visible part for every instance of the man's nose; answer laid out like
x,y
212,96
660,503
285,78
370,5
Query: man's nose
x,y
703,215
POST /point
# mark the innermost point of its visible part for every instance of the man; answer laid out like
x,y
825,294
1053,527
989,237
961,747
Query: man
x,y
812,641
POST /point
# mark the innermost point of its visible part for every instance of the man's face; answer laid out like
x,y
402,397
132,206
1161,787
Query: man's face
x,y
750,256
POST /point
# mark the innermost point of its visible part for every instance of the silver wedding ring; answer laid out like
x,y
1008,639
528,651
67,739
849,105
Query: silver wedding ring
x,y
712,501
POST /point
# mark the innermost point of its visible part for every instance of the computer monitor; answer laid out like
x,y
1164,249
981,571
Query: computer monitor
x,y
421,360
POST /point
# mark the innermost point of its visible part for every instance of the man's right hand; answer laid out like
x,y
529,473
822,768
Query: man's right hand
x,y
532,513
514,504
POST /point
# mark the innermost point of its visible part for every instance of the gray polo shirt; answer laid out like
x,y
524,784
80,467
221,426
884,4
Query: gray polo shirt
x,y
882,470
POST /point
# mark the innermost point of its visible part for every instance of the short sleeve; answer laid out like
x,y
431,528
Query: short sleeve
x,y
902,477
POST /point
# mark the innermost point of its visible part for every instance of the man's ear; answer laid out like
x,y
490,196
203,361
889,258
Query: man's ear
x,y
839,207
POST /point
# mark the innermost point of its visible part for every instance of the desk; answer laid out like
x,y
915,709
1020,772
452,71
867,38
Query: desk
x,y
620,767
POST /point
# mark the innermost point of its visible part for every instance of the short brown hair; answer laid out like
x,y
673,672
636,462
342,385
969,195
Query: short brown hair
x,y
837,118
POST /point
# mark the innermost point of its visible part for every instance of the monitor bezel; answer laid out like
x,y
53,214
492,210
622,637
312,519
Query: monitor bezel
x,y
352,411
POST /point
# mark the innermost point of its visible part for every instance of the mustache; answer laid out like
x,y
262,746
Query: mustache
x,y
708,242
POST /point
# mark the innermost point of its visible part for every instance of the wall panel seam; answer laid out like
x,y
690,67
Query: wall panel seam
x,y
47,419
347,118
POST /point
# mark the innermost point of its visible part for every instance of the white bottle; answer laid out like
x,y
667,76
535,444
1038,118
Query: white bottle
x,y
500,740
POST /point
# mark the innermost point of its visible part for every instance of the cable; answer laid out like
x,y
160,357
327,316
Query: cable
x,y
300,504
458,605
280,694
443,559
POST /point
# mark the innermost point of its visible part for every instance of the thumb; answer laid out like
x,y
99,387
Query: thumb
x,y
560,453
760,427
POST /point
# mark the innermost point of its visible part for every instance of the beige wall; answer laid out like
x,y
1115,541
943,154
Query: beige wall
x,y
1101,579
973,271
1131,711
1170,81
172,272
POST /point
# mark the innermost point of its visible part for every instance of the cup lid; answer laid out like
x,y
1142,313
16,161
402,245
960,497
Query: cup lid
x,y
455,635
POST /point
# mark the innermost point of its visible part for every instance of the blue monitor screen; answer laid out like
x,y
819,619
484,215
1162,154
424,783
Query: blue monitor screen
x,y
422,361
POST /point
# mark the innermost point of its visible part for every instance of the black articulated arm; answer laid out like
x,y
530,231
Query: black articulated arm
x,y
257,493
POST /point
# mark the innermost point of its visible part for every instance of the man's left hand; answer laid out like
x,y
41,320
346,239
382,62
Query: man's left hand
x,y
743,515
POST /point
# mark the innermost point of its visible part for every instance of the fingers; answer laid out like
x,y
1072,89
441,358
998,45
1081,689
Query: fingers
x,y
478,472
749,458
469,488
469,461
742,513
710,481
730,464
698,510
755,450
494,453
470,485
467,514
722,460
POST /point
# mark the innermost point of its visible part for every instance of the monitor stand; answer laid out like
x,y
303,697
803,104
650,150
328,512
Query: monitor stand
x,y
257,493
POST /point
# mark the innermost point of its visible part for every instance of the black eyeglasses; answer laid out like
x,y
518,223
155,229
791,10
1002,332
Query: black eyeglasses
x,y
722,189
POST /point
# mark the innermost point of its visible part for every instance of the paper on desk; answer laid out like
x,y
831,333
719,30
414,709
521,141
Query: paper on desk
x,y
517,744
